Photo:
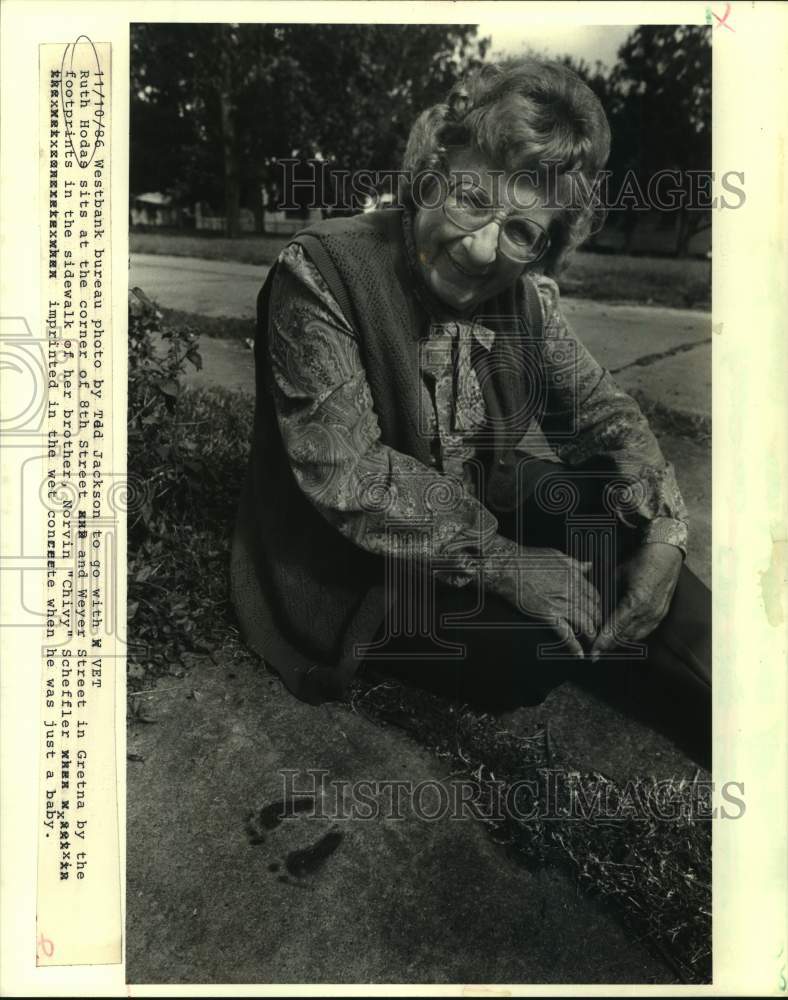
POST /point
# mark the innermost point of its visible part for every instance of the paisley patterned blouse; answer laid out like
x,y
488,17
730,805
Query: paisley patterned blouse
x,y
331,433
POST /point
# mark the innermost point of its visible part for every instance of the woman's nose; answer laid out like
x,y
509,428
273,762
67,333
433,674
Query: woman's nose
x,y
482,244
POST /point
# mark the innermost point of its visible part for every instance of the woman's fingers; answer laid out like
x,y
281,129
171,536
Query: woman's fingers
x,y
575,614
613,630
626,624
568,582
558,617
581,606
591,603
569,640
587,606
605,641
567,597
639,612
582,620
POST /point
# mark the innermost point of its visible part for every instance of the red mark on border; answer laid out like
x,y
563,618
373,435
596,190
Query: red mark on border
x,y
44,947
722,22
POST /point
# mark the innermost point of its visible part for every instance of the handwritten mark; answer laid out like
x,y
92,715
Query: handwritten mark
x,y
723,21
88,98
44,947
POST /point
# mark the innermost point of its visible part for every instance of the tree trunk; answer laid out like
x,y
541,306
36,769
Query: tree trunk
x,y
232,189
629,225
259,212
683,233
695,223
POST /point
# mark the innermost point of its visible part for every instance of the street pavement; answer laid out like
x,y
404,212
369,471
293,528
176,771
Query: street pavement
x,y
206,287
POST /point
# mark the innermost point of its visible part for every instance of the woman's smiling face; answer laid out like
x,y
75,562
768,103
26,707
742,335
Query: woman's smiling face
x,y
462,268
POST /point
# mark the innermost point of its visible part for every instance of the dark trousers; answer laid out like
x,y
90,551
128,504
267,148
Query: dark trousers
x,y
481,650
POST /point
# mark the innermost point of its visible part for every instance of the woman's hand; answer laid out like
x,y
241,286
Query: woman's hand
x,y
648,578
554,586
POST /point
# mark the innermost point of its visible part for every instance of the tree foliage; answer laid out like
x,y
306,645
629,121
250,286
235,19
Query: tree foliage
x,y
214,106
661,109
662,95
658,100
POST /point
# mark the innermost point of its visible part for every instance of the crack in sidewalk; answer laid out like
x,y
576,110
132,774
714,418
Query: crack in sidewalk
x,y
650,359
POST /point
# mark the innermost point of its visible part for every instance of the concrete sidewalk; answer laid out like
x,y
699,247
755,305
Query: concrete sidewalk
x,y
211,900
663,354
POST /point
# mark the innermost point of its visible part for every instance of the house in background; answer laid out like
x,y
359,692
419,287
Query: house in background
x,y
286,222
153,209
204,219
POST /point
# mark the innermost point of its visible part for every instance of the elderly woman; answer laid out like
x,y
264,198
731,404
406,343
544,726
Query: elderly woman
x,y
394,516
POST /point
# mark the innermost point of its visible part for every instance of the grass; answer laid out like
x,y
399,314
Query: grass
x,y
247,249
223,327
614,278
658,281
655,873
178,555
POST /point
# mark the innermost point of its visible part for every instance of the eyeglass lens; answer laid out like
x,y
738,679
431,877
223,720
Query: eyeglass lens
x,y
469,209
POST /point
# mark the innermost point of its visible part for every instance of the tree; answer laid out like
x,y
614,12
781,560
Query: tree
x,y
661,111
253,94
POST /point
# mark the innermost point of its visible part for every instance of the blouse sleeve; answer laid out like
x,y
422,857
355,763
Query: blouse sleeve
x,y
589,416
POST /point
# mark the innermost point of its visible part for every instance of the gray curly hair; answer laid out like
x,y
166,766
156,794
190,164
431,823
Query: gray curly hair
x,y
526,115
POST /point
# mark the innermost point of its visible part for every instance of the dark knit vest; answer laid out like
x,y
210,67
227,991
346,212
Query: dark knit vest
x,y
305,596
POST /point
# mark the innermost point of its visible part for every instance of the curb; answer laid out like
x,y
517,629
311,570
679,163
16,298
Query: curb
x,y
685,423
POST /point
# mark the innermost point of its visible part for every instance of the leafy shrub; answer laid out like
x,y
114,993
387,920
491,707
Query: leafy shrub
x,y
187,452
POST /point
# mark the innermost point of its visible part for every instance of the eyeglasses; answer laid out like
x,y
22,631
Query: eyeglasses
x,y
520,239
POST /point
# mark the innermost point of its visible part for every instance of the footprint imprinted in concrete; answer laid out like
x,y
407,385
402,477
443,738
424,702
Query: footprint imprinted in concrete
x,y
269,817
302,861
308,860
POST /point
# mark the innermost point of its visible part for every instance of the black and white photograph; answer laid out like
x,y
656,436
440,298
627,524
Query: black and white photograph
x,y
420,660
394,548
